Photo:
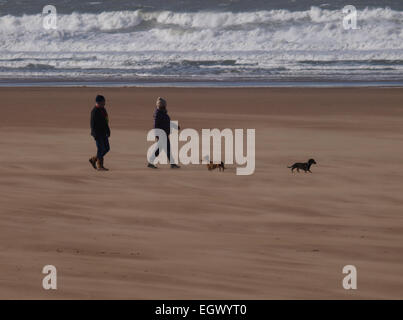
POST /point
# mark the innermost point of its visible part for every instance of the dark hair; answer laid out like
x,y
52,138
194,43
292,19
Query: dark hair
x,y
99,99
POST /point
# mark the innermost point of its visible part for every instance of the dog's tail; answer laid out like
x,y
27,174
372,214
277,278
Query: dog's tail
x,y
289,167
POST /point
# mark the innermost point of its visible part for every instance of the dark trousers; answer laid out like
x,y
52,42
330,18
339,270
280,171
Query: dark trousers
x,y
168,151
102,147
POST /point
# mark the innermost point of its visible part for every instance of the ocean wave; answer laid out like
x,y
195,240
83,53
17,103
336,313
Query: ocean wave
x,y
263,30
255,44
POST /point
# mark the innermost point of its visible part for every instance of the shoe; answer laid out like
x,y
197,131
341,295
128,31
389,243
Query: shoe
x,y
93,162
174,166
150,165
100,163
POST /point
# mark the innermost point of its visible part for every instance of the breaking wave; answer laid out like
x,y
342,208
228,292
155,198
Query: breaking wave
x,y
228,44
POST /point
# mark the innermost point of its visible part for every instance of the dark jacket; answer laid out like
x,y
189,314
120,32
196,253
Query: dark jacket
x,y
99,123
162,121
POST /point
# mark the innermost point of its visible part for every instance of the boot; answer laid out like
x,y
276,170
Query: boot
x,y
174,166
150,165
100,164
93,162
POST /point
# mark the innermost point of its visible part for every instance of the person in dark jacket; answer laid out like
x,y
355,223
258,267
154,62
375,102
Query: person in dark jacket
x,y
162,121
101,132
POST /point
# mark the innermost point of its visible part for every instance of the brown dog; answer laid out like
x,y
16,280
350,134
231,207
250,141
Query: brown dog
x,y
212,166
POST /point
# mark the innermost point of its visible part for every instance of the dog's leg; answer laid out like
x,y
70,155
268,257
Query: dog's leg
x,y
298,169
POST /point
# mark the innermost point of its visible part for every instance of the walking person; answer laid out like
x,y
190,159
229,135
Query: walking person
x,y
162,121
101,132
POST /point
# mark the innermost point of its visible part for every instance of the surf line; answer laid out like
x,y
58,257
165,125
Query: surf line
x,y
231,139
167,310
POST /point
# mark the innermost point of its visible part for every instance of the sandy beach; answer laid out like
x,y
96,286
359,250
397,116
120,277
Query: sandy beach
x,y
138,233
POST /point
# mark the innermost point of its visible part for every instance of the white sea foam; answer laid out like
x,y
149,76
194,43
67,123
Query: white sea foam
x,y
259,43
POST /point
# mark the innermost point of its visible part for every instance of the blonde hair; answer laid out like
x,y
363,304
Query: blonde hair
x,y
161,102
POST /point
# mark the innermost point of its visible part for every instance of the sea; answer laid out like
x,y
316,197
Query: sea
x,y
201,42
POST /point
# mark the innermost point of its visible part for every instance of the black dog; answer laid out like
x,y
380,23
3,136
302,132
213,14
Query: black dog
x,y
306,166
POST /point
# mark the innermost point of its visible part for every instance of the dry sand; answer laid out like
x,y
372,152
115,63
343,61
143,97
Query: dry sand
x,y
138,233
